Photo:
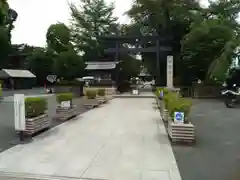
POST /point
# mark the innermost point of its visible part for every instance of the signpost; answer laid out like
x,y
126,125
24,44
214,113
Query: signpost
x,y
135,91
179,117
51,78
19,114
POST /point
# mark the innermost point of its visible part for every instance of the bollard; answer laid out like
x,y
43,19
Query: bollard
x,y
19,115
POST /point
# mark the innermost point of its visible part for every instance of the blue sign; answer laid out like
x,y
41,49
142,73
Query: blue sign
x,y
179,117
161,93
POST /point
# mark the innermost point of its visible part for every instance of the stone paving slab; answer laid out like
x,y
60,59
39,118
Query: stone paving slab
x,y
122,140
17,176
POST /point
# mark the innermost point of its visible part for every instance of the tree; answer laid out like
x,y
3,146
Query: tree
x,y
69,65
58,38
91,19
204,38
130,66
212,39
7,17
5,47
163,18
40,63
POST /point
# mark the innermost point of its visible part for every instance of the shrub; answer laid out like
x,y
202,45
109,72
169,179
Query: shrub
x,y
157,92
64,97
91,93
159,89
35,106
101,92
174,103
185,106
180,105
169,99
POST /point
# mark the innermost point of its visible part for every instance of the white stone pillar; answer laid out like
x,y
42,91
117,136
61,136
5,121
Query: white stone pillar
x,y
19,112
170,71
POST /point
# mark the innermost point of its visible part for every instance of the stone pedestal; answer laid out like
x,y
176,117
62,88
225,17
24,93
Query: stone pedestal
x,y
36,124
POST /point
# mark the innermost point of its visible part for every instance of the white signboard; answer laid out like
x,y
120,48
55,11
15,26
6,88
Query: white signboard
x,y
170,71
65,104
135,91
179,117
19,112
51,78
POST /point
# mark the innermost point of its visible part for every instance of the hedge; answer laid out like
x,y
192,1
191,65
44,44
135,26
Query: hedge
x,y
101,92
64,97
35,106
91,93
159,89
175,103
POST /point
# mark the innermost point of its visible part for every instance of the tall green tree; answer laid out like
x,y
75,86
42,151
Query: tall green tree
x,y
130,66
163,18
92,19
7,17
69,65
58,38
40,62
212,39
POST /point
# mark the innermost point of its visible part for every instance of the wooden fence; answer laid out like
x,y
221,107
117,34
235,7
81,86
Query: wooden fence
x,y
201,91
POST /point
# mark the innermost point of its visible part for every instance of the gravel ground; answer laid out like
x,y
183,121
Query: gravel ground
x,y
216,155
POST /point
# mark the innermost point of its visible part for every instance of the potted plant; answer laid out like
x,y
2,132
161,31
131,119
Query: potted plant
x,y
91,98
101,95
179,128
36,116
169,99
65,109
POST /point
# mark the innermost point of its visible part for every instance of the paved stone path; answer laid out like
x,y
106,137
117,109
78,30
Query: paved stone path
x,y
123,140
8,136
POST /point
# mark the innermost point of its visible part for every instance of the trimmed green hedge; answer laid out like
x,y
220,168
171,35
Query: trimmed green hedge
x,y
91,93
64,97
101,92
35,106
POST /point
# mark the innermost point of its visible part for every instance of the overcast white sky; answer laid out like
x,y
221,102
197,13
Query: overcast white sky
x,y
35,16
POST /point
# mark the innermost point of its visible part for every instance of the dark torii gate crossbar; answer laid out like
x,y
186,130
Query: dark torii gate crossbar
x,y
163,44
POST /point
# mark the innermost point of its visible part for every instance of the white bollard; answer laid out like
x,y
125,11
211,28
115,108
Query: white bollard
x,y
19,114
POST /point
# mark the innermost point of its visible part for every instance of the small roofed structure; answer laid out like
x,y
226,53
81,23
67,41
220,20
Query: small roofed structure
x,y
17,79
110,65
104,71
